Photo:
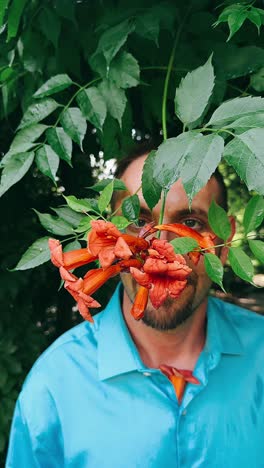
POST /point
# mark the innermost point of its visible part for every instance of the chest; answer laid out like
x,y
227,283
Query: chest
x,y
135,421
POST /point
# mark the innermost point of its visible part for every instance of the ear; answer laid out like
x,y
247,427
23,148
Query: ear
x,y
224,251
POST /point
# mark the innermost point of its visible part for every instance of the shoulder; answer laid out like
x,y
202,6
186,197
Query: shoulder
x,y
248,325
75,348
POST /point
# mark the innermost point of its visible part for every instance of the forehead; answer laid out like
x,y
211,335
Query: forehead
x,y
177,198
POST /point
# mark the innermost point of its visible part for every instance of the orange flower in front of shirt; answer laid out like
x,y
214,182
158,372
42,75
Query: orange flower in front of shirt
x,y
75,286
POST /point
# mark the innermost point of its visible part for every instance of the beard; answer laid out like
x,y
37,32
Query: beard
x,y
173,312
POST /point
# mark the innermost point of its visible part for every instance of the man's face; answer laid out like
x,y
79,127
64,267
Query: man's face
x,y
173,312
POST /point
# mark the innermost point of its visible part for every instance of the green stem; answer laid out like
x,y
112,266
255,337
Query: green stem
x,y
216,130
166,85
228,244
164,100
161,216
66,107
74,97
181,23
135,193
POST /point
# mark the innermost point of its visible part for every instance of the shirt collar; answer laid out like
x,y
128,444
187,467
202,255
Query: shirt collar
x,y
117,353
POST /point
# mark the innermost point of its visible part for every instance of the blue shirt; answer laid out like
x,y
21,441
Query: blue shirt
x,y
89,401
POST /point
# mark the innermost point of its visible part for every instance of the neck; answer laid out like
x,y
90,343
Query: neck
x,y
178,348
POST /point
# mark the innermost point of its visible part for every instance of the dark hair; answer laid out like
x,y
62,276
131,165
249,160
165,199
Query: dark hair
x,y
144,148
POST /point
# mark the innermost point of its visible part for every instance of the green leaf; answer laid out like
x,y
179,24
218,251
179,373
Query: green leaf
x,y
245,154
47,162
99,186
236,108
53,85
183,245
113,39
81,205
54,225
257,248
3,10
239,61
61,143
254,214
124,71
148,25
14,15
23,141
15,169
120,222
241,263
85,223
229,10
247,122
66,9
255,18
214,269
201,160
105,197
194,92
38,111
65,213
219,221
50,25
257,80
35,255
74,245
93,106
235,21
170,157
150,187
131,208
115,100
74,124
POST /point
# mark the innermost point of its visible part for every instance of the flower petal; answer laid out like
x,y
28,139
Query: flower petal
x,y
141,278
106,256
94,279
176,287
56,252
105,228
158,292
84,311
140,303
76,258
122,250
165,249
66,275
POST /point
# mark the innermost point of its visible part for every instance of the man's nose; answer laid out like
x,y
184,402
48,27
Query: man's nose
x,y
168,236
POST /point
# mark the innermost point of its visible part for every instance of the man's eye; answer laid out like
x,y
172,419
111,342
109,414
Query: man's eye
x,y
193,223
140,224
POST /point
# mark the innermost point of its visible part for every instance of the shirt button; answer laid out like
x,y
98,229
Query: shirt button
x,y
147,374
184,412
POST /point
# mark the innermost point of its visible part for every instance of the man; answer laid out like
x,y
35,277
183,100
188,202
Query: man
x,y
100,396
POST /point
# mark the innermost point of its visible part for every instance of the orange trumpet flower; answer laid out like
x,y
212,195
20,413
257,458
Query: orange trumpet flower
x,y
74,286
69,260
179,378
140,303
204,240
109,244
164,273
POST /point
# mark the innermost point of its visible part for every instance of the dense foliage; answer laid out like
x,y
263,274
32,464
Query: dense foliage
x,y
79,78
